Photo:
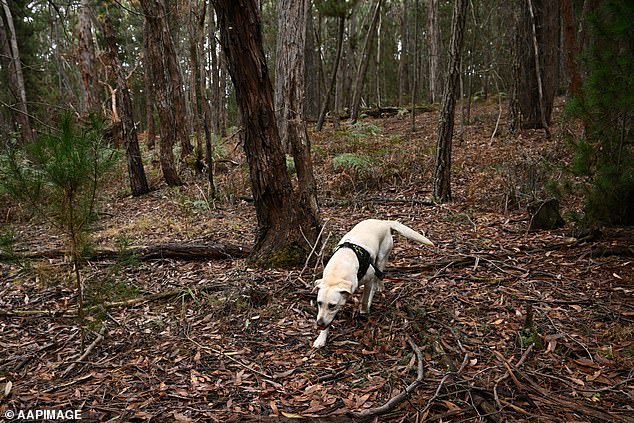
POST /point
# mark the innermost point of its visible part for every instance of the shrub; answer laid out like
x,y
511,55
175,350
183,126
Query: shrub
x,y
606,107
58,175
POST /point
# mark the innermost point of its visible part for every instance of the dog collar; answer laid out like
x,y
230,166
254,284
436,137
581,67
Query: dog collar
x,y
364,258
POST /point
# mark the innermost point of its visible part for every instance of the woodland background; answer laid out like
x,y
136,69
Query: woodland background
x,y
174,174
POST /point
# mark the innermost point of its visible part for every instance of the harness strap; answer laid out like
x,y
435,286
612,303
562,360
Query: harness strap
x,y
365,260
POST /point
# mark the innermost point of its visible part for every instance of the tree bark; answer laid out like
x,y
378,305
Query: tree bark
x,y
442,171
570,47
195,101
290,102
161,53
10,49
136,173
218,85
537,31
87,60
434,52
281,226
403,61
148,87
364,61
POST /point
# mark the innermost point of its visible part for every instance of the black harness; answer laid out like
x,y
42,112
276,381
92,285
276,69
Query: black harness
x,y
365,260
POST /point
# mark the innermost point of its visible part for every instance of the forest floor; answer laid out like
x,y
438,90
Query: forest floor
x,y
508,324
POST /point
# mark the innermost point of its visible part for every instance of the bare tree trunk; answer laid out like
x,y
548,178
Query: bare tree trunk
x,y
160,49
537,44
196,109
538,70
377,63
204,98
290,95
311,57
281,225
148,86
434,52
414,69
10,49
217,95
364,61
87,59
442,171
403,63
570,47
333,79
136,173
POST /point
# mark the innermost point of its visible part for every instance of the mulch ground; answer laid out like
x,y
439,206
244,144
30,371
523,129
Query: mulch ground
x,y
507,324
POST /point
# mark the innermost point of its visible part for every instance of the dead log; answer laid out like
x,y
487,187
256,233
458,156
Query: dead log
x,y
174,251
192,252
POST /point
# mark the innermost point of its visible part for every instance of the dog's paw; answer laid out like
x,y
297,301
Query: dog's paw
x,y
321,339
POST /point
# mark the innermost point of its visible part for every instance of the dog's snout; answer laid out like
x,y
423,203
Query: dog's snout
x,y
320,324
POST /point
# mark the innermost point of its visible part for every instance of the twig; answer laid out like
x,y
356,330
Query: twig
x,y
312,251
224,354
395,401
97,340
465,360
519,363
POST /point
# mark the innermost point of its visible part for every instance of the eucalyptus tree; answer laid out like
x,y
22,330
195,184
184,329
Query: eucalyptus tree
x,y
283,227
442,170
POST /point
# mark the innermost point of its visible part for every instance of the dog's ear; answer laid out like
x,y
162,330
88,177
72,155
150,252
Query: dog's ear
x,y
318,284
345,287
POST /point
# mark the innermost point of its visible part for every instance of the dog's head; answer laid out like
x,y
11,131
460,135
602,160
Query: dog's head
x,y
331,296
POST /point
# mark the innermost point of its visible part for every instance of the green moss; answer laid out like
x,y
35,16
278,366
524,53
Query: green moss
x,y
530,336
291,255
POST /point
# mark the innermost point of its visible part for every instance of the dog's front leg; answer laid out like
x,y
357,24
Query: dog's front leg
x,y
321,339
368,293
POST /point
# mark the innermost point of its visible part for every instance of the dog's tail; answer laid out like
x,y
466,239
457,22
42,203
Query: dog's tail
x,y
410,233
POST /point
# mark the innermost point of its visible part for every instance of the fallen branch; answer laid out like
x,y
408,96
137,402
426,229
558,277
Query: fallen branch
x,y
173,251
395,401
465,360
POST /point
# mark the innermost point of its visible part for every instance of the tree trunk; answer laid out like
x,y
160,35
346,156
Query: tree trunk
x,y
538,31
403,60
217,90
333,80
136,173
148,87
9,42
364,61
442,171
434,52
570,47
160,48
281,226
290,96
204,99
414,86
195,103
311,57
87,60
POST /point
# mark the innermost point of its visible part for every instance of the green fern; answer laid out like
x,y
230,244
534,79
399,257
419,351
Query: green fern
x,y
359,164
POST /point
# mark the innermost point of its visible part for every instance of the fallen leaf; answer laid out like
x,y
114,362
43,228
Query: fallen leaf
x,y
7,388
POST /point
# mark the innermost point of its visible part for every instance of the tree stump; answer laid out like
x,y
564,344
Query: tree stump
x,y
544,214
